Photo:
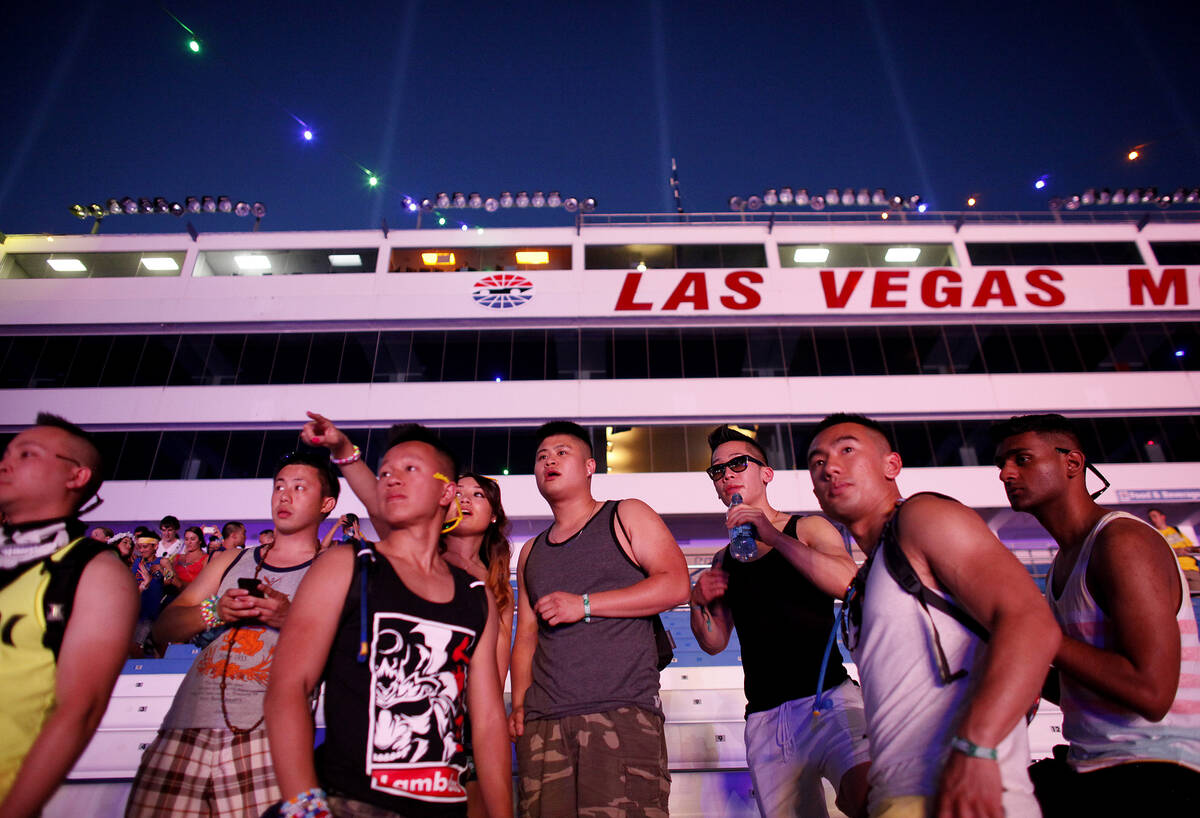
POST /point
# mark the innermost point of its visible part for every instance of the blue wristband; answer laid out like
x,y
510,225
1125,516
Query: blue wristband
x,y
973,750
587,609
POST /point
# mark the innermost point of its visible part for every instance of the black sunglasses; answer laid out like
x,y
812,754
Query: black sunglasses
x,y
1090,468
737,465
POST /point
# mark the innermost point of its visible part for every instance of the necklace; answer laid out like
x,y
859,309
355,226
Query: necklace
x,y
260,561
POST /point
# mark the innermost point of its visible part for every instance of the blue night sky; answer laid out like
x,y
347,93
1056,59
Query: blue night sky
x,y
592,99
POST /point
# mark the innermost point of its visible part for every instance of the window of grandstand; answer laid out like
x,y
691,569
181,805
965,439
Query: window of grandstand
x,y
477,259
285,262
867,255
1176,252
593,353
673,256
249,453
92,265
1053,253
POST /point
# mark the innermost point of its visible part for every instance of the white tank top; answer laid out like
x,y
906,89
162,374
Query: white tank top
x,y
911,715
1101,733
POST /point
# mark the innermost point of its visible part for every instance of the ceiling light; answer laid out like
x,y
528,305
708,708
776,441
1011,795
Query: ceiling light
x,y
810,255
66,265
160,263
345,260
437,259
533,257
252,262
903,254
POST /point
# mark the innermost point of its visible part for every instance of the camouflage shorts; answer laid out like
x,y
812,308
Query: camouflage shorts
x,y
601,765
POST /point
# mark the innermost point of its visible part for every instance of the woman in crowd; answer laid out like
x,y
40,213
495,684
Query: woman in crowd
x,y
123,542
191,559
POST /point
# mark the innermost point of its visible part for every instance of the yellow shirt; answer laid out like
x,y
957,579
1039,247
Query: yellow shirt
x,y
1178,542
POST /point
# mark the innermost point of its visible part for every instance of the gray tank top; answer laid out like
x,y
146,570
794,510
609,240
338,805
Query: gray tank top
x,y
198,701
589,667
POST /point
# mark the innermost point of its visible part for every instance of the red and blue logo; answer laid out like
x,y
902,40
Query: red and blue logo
x,y
503,291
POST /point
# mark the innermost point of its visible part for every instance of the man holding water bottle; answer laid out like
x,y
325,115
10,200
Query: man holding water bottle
x,y
804,716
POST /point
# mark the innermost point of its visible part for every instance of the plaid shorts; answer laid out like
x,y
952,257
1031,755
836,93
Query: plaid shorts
x,y
205,772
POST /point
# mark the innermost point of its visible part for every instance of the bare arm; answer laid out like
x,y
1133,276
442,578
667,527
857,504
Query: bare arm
x,y
951,547
504,642
300,657
654,549
320,431
181,620
327,540
524,645
1136,581
711,620
818,551
489,733
93,651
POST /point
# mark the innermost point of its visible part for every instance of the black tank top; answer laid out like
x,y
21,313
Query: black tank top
x,y
394,723
783,622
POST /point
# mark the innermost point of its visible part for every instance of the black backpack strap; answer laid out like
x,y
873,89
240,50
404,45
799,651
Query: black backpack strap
x,y
64,568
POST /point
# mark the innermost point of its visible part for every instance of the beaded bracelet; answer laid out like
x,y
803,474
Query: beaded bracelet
x,y
308,804
345,461
208,613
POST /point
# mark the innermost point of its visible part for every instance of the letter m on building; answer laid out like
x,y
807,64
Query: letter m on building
x,y
1142,283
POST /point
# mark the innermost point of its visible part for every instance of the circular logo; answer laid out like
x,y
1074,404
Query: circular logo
x,y
502,291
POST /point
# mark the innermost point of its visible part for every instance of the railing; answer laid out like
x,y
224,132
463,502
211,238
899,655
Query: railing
x,y
957,218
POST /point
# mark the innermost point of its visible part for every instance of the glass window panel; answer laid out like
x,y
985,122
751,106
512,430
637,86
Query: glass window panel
x,y
743,255
665,353
563,355
800,351
286,262
979,442
208,455
533,357
699,353
462,351
257,359
393,357
1092,347
900,356
597,353
1027,344
947,440
137,456
491,454
522,445
89,361
1117,252
733,354
933,356
462,443
122,361
425,360
1126,351
22,358
912,441
224,359
276,443
997,351
1118,441
55,361
358,357
496,356
110,445
1176,252
1060,348
866,356
1181,438
989,254
372,442
1185,343
1156,346
628,256
174,452
963,346
669,448
241,457
291,357
190,359
698,256
157,358
833,354
1074,252
629,354
324,357
765,352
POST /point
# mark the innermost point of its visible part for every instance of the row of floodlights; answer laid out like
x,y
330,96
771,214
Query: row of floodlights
x,y
192,204
849,197
493,203
1123,196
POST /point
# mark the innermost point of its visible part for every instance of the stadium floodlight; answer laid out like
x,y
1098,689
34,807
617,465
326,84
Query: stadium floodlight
x,y
160,205
802,197
475,201
879,197
427,205
79,211
506,199
1103,196
1179,195
1118,196
522,199
771,197
817,202
191,204
113,207
258,209
1193,195
737,203
175,209
145,205
570,204
588,205
459,200
832,197
241,209
491,204
553,199
848,196
1088,197
754,202
208,204
864,197
442,200
129,206
538,199
224,204
786,196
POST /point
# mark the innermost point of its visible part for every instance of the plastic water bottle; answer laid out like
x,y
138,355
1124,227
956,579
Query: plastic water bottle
x,y
741,537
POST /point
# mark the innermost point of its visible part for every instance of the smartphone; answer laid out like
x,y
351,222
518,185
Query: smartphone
x,y
250,584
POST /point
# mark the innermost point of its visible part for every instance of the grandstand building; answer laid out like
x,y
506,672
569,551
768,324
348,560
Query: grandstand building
x,y
195,357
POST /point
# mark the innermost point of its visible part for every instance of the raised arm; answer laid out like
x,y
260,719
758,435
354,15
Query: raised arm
x,y
327,540
1134,577
300,657
93,651
181,620
818,551
524,645
320,431
950,546
489,733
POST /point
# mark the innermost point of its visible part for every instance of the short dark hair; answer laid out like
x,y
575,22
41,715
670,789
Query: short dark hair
x,y
315,459
230,527
851,417
195,529
415,432
170,520
727,434
563,427
1050,423
143,531
92,486
1156,508
351,517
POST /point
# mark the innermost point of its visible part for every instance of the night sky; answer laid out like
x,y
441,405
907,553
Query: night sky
x,y
592,99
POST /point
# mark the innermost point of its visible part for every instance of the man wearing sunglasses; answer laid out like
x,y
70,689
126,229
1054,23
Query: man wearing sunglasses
x,y
944,707
1128,666
792,739
67,608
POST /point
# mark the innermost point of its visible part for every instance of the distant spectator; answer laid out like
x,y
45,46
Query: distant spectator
x,y
189,561
123,542
215,544
347,525
101,534
266,537
234,535
151,573
169,543
1185,550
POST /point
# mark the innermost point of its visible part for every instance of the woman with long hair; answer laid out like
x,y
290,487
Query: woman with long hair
x,y
191,559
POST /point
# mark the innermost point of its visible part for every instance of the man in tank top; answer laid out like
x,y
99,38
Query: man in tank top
x,y
391,631
586,714
944,708
1128,667
804,717
211,755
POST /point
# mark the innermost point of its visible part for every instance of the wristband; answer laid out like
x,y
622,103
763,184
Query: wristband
x,y
309,804
208,613
345,461
587,609
973,750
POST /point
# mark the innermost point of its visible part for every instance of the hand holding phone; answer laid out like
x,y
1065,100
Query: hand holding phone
x,y
250,586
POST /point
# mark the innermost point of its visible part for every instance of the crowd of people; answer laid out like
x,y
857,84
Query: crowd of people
x,y
953,641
